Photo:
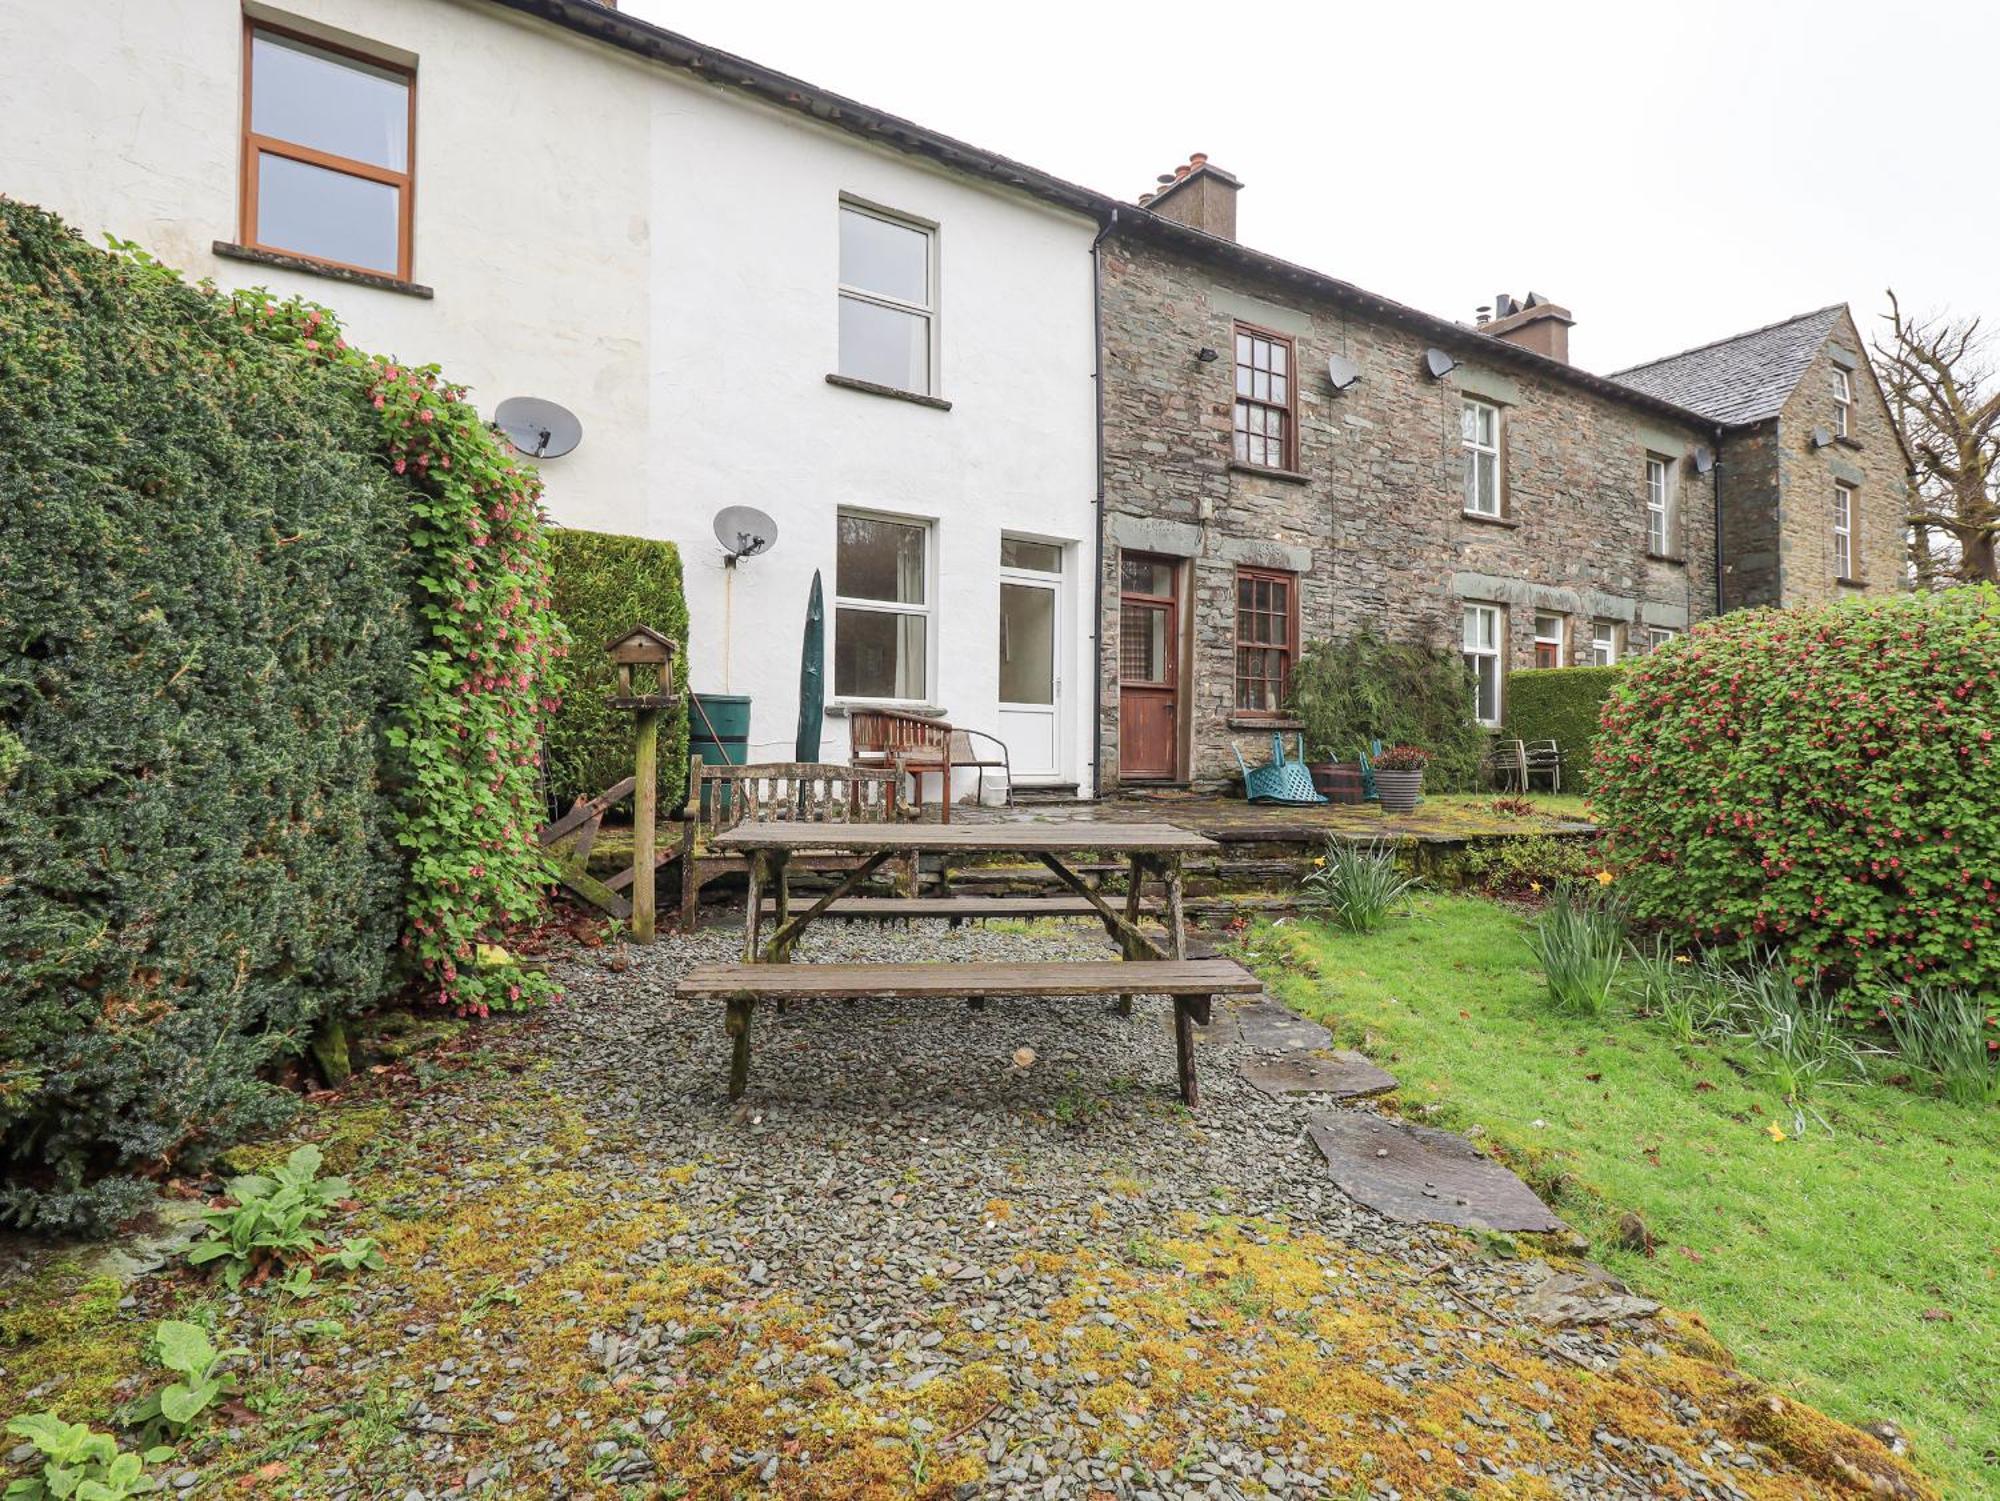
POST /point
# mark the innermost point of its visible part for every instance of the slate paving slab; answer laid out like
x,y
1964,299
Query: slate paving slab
x,y
1343,1074
1268,1027
1419,1174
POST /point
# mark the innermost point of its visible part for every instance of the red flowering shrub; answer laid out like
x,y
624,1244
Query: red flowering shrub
x,y
1821,782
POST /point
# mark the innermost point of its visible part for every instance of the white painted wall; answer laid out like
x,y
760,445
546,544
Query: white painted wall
x,y
659,255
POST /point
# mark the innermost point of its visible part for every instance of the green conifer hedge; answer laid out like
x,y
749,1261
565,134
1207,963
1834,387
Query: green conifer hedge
x,y
204,619
603,586
1560,704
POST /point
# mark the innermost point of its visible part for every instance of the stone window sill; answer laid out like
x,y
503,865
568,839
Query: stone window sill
x,y
1677,559
1849,442
1284,476
870,388
1246,721
1851,583
320,268
1484,520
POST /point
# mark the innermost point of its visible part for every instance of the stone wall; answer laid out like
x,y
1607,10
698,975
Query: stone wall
x,y
1870,459
1749,476
1372,520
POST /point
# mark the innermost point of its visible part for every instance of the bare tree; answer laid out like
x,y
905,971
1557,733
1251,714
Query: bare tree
x,y
1944,393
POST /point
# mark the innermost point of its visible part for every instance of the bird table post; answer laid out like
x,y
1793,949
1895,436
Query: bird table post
x,y
647,649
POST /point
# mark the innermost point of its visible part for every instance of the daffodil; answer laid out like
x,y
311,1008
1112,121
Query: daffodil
x,y
1605,878
1775,1131
1682,959
1535,886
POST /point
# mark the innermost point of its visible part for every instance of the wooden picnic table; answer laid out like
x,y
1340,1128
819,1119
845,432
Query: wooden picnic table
x,y
1155,849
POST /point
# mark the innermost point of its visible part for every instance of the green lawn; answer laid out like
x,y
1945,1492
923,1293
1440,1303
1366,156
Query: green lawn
x,y
1858,1267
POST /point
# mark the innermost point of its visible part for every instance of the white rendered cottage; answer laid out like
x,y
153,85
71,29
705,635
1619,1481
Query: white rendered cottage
x,y
749,291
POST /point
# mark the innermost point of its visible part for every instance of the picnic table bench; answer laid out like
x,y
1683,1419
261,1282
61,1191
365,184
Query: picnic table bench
x,y
958,909
1150,966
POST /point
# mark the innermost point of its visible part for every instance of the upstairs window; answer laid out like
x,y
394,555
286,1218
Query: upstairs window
x,y
1265,411
887,302
1479,427
1659,505
1843,531
327,138
1266,638
1843,403
1604,643
1549,635
1485,631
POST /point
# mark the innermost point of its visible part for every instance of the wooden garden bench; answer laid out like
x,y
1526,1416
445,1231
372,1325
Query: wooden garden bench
x,y
958,909
817,792
924,747
1193,984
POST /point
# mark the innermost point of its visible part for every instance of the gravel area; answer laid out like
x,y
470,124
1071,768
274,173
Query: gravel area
x,y
914,1261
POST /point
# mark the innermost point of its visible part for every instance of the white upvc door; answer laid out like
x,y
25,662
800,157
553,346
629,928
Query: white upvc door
x,y
1031,630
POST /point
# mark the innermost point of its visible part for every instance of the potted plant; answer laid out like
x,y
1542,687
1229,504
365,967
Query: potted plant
x,y
1399,777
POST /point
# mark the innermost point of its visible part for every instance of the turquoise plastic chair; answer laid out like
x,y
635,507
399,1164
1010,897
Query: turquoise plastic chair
x,y
1282,781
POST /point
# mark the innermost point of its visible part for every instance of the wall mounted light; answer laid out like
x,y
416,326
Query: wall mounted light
x,y
1206,355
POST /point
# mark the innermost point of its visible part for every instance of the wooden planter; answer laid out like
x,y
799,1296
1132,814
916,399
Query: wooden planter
x,y
1399,790
1338,781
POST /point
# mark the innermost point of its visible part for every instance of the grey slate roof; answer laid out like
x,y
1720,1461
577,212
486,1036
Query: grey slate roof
x,y
1742,379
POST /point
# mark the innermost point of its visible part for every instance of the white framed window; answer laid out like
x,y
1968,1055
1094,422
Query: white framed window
x,y
1843,402
1604,643
1479,433
1551,632
1659,505
888,304
882,608
1843,531
1485,633
1658,636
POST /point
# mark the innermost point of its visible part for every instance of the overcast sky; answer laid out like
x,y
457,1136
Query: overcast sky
x,y
1672,173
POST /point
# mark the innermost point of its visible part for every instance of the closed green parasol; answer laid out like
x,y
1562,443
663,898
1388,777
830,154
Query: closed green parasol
x,y
812,677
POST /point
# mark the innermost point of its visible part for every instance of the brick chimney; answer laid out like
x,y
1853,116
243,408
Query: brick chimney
x,y
1199,195
1536,324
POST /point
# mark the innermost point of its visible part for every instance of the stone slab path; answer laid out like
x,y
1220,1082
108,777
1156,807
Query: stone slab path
x,y
1341,1074
1418,1174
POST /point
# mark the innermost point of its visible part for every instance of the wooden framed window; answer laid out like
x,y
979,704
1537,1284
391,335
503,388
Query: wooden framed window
x,y
329,141
887,302
1659,506
1843,403
1266,408
882,608
1479,436
1550,631
1485,637
1267,638
1843,531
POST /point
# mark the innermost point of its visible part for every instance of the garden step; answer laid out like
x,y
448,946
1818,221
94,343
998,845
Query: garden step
x,y
1419,1174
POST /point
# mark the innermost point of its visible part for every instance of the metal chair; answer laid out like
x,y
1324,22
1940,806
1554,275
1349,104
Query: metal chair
x,y
1542,758
1506,765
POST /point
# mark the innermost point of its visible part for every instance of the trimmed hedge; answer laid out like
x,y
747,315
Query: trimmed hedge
x,y
1350,692
604,585
1560,704
1822,782
204,620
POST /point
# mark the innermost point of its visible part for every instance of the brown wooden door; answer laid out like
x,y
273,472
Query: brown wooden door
x,y
1148,667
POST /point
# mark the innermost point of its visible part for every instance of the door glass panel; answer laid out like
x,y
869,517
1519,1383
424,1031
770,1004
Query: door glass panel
x,y
331,215
1146,576
880,559
1027,644
1142,644
1038,557
310,97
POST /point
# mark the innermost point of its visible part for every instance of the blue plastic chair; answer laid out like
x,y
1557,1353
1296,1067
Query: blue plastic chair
x,y
1283,781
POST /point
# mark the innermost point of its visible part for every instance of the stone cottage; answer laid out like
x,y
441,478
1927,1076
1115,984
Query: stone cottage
x,y
1288,457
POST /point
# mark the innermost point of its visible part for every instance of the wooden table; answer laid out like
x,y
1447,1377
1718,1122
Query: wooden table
x,y
1156,850
1152,849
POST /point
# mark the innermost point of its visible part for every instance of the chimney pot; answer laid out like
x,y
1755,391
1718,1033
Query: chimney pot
x,y
1197,158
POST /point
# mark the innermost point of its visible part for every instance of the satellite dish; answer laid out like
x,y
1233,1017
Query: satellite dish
x,y
540,429
1704,459
1821,437
1342,371
744,531
1439,363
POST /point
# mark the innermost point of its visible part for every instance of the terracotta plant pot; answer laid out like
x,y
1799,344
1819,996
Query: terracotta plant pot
x,y
1399,789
